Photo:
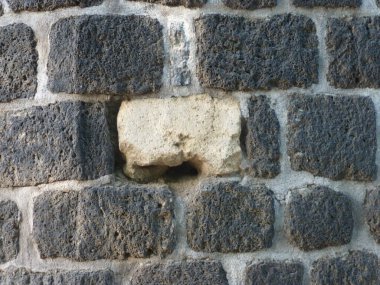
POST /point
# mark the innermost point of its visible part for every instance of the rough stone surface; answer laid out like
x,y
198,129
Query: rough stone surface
x,y
23,276
356,267
105,222
274,273
190,272
106,55
250,4
317,217
353,45
372,212
328,3
263,139
48,5
333,136
9,230
155,134
62,141
18,62
225,216
235,53
186,3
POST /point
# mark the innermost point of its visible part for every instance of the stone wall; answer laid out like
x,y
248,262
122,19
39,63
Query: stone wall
x,y
190,142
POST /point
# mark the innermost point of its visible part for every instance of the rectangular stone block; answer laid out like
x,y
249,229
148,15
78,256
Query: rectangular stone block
x,y
327,3
48,5
105,223
333,136
235,53
353,45
10,219
106,55
186,3
250,4
62,141
18,62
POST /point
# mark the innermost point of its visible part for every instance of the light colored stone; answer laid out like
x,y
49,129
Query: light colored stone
x,y
155,134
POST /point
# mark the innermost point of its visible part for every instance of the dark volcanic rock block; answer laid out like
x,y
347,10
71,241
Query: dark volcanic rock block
x,y
18,62
48,5
10,218
263,139
274,273
328,3
318,217
249,4
353,45
106,55
372,212
186,3
235,53
62,141
105,223
190,272
23,276
333,136
356,267
225,216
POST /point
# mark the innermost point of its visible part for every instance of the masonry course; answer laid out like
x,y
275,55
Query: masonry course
x,y
48,5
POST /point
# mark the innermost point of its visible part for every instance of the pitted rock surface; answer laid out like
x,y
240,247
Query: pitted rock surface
x,y
48,5
372,212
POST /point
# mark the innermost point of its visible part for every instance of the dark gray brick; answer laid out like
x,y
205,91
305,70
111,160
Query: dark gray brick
x,y
23,276
356,267
62,141
105,222
372,212
235,53
327,3
186,3
48,5
353,45
250,4
333,136
18,62
190,272
317,217
106,55
263,139
225,216
10,218
274,273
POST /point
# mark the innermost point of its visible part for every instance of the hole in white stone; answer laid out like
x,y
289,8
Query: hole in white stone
x,y
184,169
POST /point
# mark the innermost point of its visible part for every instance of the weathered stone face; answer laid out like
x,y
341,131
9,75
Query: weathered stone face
x,y
155,134
48,5
327,3
333,136
239,54
274,273
10,218
372,212
356,267
23,276
106,55
353,45
62,141
225,216
263,139
18,62
318,217
190,272
249,4
105,223
186,3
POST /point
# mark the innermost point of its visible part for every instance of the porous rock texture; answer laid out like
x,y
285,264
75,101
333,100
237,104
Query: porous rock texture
x,y
327,3
356,267
48,5
61,141
225,216
353,45
235,53
18,62
105,222
10,218
262,141
274,273
372,212
105,54
186,3
188,272
249,4
23,276
155,134
318,217
333,136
